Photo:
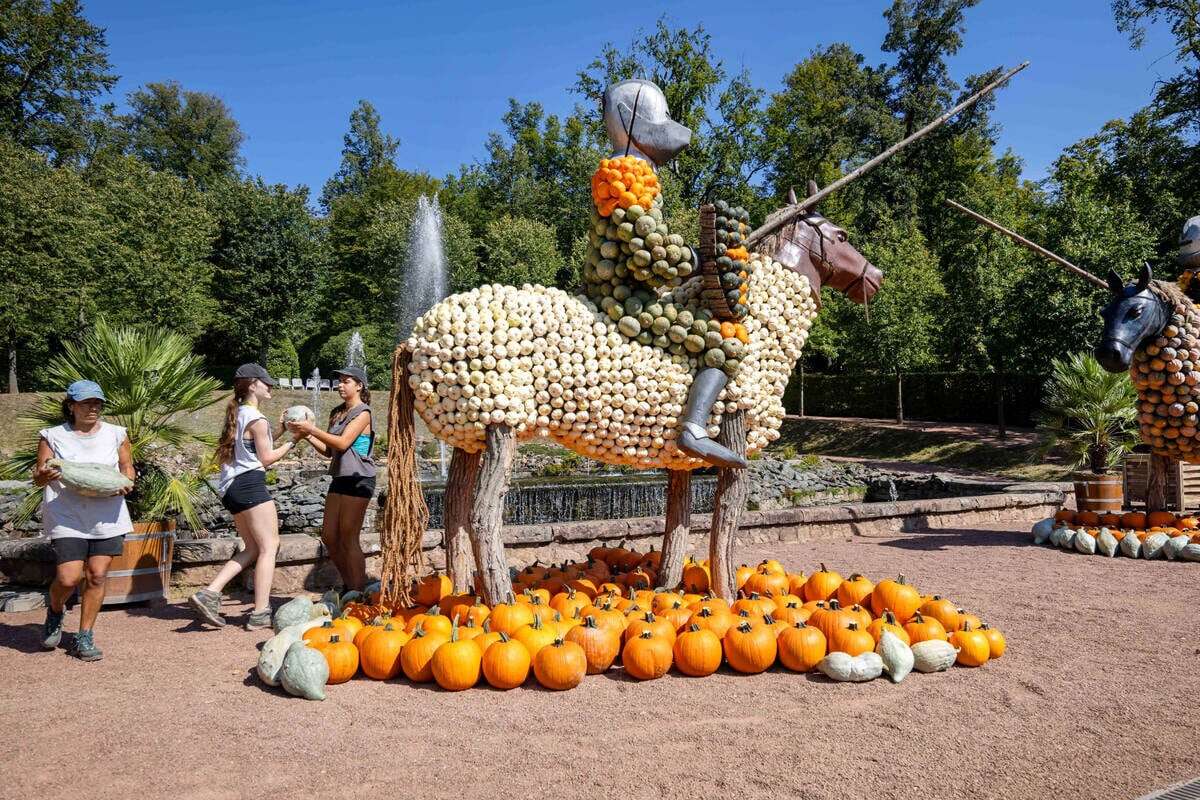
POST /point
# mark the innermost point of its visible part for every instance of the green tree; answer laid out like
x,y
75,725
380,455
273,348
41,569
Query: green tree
x,y
365,147
1177,97
900,334
189,134
43,255
148,260
518,250
53,66
268,261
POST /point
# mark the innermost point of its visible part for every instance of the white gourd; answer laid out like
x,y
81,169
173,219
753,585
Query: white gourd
x,y
933,655
305,672
843,667
296,610
1067,541
1190,552
896,655
1131,546
1042,530
1152,547
1106,543
1054,537
270,658
299,414
1175,545
1084,543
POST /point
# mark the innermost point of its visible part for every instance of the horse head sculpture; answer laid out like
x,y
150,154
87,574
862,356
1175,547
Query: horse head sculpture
x,y
814,247
1136,313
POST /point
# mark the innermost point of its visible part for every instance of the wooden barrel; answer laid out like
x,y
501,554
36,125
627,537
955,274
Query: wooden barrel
x,y
1099,493
143,570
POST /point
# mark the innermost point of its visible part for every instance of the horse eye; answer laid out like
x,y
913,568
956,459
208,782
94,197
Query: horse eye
x,y
1135,312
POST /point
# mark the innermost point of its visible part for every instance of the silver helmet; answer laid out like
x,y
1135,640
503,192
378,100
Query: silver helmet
x,y
1189,244
637,121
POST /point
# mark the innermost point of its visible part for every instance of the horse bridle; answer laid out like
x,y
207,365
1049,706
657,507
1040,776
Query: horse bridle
x,y
814,221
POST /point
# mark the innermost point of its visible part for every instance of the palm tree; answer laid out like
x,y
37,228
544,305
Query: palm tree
x,y
1088,412
151,379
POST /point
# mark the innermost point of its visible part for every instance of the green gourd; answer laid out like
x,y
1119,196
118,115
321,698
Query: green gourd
x,y
842,667
274,650
305,672
90,480
933,655
896,655
294,611
1153,546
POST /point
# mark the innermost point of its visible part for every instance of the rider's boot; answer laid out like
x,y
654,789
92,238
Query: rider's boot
x,y
693,438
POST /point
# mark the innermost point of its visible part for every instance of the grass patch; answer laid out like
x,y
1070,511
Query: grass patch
x,y
1018,461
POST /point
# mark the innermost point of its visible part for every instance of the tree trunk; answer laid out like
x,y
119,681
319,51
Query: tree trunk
x,y
487,515
733,485
1156,483
460,491
12,368
899,398
1001,428
679,526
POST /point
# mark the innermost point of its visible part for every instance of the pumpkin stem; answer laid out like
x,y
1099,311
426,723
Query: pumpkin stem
x,y
334,639
646,634
454,629
693,627
503,636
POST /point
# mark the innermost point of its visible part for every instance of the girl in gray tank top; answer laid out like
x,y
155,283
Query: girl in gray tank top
x,y
348,444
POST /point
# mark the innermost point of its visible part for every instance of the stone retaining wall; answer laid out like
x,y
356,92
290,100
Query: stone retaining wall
x,y
302,565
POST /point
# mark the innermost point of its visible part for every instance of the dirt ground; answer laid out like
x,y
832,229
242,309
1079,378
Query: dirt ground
x,y
1096,698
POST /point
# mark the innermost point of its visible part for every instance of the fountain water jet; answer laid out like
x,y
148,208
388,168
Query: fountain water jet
x,y
424,279
355,357
316,392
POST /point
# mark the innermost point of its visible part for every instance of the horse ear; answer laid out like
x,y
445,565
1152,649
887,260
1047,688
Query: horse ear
x,y
1144,278
792,196
1115,283
812,187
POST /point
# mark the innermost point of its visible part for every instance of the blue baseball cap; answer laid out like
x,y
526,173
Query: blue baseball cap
x,y
85,390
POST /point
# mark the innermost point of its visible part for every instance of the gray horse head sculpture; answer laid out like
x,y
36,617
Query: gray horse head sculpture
x,y
1136,314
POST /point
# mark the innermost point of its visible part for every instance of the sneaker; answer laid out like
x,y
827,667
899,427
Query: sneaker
x,y
258,619
52,629
207,606
85,648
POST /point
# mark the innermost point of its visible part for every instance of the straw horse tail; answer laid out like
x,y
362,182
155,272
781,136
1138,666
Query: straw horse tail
x,y
405,514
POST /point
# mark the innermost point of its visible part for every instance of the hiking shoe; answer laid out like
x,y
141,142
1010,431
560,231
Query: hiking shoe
x,y
52,629
258,619
207,606
85,648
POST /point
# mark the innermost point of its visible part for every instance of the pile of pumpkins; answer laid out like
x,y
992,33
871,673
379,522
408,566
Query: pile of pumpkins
x,y
1134,534
580,619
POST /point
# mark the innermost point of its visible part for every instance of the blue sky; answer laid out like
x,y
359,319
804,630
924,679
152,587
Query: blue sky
x,y
441,73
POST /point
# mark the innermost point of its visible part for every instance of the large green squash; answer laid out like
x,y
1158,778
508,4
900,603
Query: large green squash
x,y
305,672
90,480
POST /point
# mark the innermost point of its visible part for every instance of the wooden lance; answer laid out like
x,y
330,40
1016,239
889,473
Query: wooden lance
x,y
1021,240
785,215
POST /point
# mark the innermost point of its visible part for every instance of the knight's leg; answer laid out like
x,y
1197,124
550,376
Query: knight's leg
x,y
693,437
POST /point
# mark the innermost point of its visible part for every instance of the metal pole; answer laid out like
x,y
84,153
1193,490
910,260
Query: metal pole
x,y
1021,240
787,214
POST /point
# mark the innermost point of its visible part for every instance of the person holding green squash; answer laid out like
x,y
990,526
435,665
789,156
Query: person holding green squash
x,y
85,530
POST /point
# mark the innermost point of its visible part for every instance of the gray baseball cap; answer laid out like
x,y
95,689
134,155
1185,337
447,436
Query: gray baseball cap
x,y
253,371
358,373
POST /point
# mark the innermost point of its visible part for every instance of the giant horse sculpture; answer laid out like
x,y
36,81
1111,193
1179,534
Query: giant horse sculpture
x,y
488,368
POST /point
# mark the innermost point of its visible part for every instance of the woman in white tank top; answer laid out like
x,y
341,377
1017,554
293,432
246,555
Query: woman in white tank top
x,y
245,450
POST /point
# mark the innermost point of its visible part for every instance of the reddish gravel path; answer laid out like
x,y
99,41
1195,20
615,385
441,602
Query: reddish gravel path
x,y
1095,699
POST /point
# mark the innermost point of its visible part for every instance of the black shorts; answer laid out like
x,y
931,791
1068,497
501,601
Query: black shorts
x,y
76,548
247,491
353,486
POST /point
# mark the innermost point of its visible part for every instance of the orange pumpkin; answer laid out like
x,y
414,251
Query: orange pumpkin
x,y
854,590
1135,520
456,663
822,584
1064,515
561,665
380,653
505,663
600,645
341,656
801,647
851,640
1087,518
697,652
647,656
1160,519
750,647
923,629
